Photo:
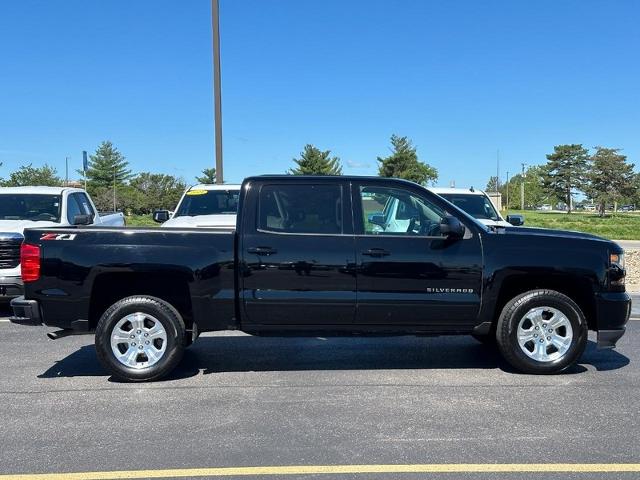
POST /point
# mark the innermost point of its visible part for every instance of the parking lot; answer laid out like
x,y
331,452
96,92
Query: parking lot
x,y
240,401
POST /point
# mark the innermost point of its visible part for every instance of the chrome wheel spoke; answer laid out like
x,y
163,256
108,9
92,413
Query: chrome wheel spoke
x,y
157,331
561,343
152,354
558,321
137,320
121,336
525,336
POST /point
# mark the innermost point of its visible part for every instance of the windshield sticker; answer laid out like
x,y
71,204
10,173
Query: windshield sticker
x,y
196,192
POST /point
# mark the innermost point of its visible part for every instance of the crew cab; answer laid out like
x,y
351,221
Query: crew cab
x,y
305,259
204,206
26,207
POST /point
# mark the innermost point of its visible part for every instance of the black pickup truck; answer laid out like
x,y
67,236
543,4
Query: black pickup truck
x,y
326,256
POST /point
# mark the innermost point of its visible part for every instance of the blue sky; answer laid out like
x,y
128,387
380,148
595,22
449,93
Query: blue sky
x,y
461,78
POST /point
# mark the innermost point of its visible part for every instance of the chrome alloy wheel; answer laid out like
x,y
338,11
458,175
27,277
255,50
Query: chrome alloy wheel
x,y
138,340
545,334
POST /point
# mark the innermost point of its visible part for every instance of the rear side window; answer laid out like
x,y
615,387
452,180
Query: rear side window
x,y
301,209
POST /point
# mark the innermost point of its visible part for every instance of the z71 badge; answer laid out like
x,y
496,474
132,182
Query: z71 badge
x,y
58,236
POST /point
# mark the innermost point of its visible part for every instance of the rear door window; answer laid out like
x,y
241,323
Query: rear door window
x,y
310,209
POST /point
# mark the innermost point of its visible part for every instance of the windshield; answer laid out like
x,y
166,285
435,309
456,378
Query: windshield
x,y
478,206
36,208
208,202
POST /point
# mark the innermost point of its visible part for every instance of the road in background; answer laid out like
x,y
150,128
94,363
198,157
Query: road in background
x,y
246,401
629,244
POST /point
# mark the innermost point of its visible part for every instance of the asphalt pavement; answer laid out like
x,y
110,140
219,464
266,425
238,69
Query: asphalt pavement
x,y
240,401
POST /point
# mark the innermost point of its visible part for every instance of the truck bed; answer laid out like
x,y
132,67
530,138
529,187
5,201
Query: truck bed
x,y
89,266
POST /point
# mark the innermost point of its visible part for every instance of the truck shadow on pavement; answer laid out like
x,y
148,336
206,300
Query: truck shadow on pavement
x,y
255,354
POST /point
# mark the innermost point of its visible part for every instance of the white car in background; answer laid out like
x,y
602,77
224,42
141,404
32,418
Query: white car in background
x,y
478,204
204,206
25,207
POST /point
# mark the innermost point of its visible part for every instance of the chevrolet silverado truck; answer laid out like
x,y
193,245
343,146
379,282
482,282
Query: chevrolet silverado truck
x,y
26,207
306,258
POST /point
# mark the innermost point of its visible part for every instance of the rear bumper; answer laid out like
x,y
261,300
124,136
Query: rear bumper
x,y
25,312
10,287
613,310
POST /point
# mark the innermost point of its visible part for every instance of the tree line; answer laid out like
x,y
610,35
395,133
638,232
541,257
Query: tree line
x,y
142,193
605,177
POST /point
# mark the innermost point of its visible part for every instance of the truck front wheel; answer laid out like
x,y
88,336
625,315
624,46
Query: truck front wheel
x,y
541,332
140,338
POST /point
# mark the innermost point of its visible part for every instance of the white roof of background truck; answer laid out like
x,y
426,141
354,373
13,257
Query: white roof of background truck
x,y
38,190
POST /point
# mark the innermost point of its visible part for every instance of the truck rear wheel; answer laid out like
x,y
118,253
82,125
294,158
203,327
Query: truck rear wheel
x,y
541,332
140,338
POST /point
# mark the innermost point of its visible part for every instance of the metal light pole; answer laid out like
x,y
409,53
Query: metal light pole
x,y
114,188
497,171
507,185
217,96
522,187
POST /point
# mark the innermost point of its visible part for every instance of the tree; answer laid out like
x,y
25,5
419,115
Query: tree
x,y
403,163
534,192
45,176
492,185
610,177
565,171
157,191
208,176
314,161
107,166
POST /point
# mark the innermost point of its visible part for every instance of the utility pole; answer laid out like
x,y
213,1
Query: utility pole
x,y
66,169
522,186
498,171
507,185
114,188
85,164
217,96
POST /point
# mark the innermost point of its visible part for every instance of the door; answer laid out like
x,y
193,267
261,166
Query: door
x,y
408,273
298,258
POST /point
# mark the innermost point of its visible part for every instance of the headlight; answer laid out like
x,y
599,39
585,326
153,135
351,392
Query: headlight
x,y
617,259
616,269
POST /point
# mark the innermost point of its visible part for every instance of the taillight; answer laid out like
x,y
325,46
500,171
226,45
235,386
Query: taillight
x,y
30,262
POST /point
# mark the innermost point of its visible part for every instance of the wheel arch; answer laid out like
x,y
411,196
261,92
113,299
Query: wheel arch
x,y
578,289
110,287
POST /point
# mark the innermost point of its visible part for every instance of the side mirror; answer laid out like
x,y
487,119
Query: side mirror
x,y
377,219
161,216
515,220
82,220
451,227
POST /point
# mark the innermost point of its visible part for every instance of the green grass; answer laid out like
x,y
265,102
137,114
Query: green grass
x,y
618,226
141,221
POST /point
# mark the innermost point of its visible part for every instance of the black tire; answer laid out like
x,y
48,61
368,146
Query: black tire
x,y
517,308
160,310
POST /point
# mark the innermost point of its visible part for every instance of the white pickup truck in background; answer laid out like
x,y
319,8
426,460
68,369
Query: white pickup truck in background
x,y
204,206
25,207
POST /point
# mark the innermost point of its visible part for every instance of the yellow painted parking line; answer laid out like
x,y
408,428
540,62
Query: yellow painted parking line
x,y
339,469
